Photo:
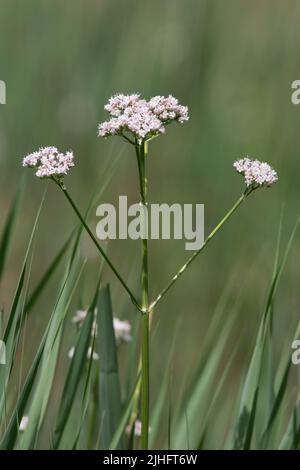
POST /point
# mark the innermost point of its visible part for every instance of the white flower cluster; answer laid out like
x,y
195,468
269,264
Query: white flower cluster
x,y
122,331
144,119
256,172
49,162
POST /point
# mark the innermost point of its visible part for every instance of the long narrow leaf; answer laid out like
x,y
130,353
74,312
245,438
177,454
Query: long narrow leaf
x,y
110,394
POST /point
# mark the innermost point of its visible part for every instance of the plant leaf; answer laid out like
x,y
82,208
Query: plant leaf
x,y
110,393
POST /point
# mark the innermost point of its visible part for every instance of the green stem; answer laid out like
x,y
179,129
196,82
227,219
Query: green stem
x,y
196,253
145,382
141,153
141,178
114,270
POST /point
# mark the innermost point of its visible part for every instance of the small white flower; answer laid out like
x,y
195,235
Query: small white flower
x,y
71,352
122,330
256,172
144,119
79,316
95,355
49,162
24,423
88,356
137,428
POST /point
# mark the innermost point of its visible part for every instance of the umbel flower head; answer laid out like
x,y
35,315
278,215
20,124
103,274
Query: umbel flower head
x,y
256,173
144,119
49,162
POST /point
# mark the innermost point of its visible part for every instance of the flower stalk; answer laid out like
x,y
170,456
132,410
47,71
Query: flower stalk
x,y
141,159
197,252
99,248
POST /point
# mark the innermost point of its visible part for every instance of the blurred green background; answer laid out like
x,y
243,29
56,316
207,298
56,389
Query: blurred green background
x,y
232,63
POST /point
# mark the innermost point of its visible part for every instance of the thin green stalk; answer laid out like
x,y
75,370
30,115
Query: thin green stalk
x,y
196,253
145,382
145,303
114,270
128,140
141,179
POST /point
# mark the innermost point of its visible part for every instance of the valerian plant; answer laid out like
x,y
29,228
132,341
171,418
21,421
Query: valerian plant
x,y
138,121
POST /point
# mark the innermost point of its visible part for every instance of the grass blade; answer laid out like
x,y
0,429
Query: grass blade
x,y
110,393
75,373
43,386
8,228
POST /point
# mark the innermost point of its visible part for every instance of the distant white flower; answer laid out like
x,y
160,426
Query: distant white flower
x,y
137,428
122,328
89,352
95,355
144,119
256,172
79,316
49,162
71,352
24,423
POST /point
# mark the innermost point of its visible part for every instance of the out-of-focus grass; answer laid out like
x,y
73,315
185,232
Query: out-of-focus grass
x,y
232,63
